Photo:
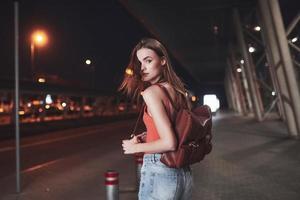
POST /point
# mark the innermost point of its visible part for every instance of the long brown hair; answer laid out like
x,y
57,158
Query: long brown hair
x,y
132,84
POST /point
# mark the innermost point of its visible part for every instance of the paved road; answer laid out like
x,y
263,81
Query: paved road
x,y
57,163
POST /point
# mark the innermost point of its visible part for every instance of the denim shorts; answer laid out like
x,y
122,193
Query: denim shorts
x,y
159,182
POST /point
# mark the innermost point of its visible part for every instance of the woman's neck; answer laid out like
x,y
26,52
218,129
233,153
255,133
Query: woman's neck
x,y
159,81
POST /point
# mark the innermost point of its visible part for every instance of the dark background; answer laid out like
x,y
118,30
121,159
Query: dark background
x,y
105,32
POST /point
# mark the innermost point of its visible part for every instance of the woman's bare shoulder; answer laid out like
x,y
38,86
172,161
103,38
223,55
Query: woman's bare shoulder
x,y
157,93
153,91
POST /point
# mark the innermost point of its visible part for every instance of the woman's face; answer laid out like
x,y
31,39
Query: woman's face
x,y
151,65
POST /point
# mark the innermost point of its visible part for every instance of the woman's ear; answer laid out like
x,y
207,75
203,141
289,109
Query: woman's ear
x,y
163,61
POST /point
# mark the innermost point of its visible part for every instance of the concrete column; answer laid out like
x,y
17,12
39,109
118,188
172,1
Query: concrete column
x,y
246,88
236,99
239,94
276,65
286,58
229,91
232,81
271,65
250,72
239,83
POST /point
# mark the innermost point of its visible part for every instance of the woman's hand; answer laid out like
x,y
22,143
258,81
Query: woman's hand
x,y
129,146
141,138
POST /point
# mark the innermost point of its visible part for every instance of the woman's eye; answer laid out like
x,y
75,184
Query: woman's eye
x,y
148,61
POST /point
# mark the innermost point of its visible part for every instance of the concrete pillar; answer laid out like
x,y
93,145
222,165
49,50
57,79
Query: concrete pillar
x,y
229,91
236,88
271,65
246,88
238,79
228,98
288,66
230,85
249,66
277,65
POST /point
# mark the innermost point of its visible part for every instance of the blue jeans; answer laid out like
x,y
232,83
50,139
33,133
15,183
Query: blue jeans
x,y
159,182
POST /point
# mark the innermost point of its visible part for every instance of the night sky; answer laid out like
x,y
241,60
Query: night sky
x,y
102,31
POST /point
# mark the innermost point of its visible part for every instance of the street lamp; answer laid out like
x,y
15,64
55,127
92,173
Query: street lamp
x,y
39,38
88,62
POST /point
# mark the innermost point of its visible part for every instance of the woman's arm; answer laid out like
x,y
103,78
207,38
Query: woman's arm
x,y
140,138
167,142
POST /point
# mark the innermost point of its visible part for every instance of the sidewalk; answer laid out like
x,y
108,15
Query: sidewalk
x,y
250,160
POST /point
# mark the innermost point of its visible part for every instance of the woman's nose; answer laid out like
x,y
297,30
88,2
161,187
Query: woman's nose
x,y
143,67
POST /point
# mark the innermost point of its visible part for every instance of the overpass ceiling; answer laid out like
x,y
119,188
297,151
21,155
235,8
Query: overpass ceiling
x,y
187,29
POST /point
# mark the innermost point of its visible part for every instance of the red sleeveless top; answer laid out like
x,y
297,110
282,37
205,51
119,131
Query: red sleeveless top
x,y
152,133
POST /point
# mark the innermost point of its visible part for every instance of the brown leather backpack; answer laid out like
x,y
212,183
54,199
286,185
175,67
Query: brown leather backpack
x,y
193,133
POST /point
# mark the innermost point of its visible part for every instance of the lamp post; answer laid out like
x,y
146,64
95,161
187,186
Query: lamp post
x,y
39,38
91,66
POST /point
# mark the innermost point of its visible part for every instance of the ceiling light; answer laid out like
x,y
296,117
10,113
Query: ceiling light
x,y
216,30
88,62
295,39
252,49
257,28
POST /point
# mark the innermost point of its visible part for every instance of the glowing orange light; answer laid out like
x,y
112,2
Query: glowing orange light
x,y
39,38
129,72
21,112
194,98
121,108
87,108
41,80
36,102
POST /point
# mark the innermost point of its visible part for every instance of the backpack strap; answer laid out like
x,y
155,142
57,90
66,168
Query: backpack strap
x,y
138,120
169,98
168,95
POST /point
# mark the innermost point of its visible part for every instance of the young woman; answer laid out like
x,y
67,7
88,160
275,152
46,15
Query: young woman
x,y
150,75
